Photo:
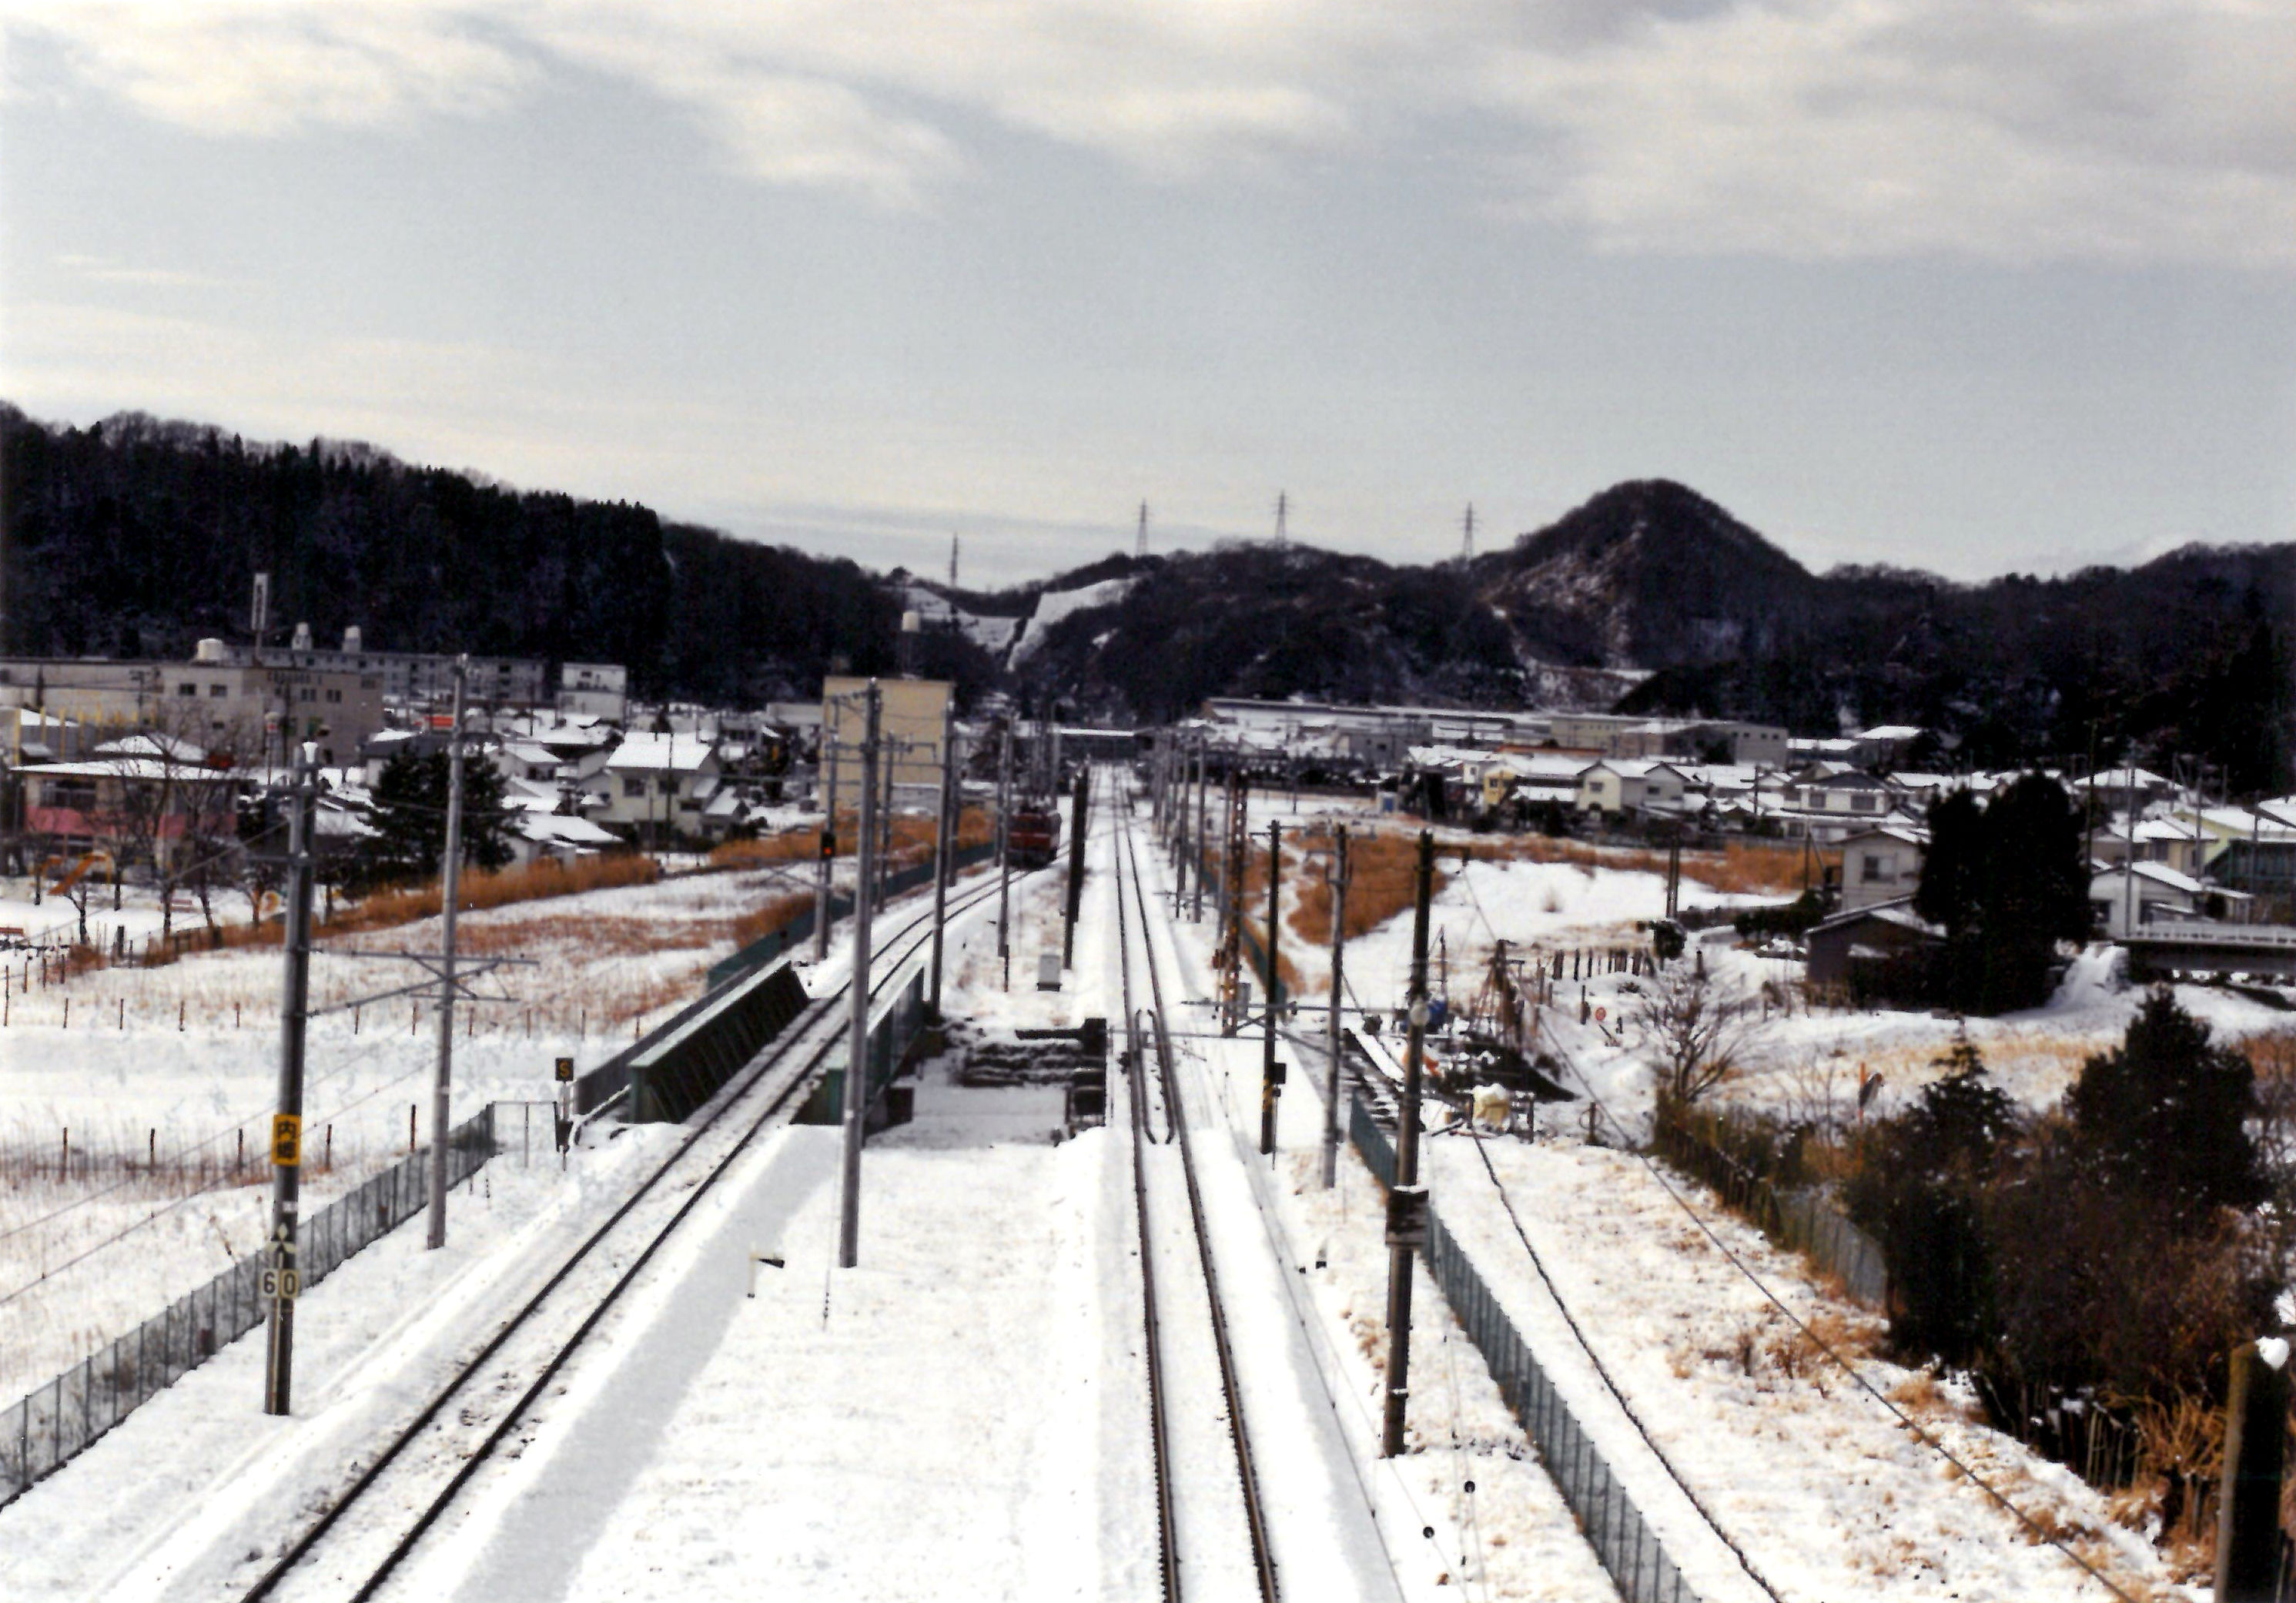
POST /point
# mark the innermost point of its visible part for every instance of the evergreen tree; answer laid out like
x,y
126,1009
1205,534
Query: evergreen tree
x,y
2164,1116
2035,892
1952,868
409,814
1920,1190
2007,881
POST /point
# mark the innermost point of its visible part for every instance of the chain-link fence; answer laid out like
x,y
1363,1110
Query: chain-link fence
x,y
1804,1218
54,1425
1637,1563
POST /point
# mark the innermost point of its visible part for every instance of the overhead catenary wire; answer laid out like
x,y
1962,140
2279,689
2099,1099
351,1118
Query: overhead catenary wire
x,y
1283,1252
1801,1327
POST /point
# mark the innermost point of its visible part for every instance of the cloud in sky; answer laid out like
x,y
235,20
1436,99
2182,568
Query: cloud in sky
x,y
2004,130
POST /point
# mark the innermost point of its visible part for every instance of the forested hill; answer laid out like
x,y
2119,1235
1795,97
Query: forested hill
x,y
136,536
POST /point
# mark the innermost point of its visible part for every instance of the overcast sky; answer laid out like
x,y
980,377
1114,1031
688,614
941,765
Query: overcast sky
x,y
1964,284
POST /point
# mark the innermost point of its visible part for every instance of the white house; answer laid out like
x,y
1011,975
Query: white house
x,y
2158,894
1630,785
1881,865
655,785
536,835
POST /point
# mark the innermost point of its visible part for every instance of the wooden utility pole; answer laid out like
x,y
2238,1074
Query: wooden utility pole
x,y
1407,1198
857,1055
281,1280
1338,880
450,885
1271,1073
2248,1508
1233,858
1203,819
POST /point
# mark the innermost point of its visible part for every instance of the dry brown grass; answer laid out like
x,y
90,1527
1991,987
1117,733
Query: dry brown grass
x,y
976,826
1380,869
387,909
1380,866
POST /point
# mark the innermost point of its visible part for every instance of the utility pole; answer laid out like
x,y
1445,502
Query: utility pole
x,y
1407,1198
1077,805
857,1055
944,840
824,903
281,1281
2129,867
1338,874
450,872
1140,547
1271,1076
1203,821
886,751
1004,852
952,564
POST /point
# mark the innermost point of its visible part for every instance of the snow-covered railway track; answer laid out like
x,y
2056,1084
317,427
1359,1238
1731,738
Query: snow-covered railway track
x,y
362,1534
1206,1523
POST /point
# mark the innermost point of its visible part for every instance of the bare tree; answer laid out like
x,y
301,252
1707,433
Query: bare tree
x,y
1699,1027
176,802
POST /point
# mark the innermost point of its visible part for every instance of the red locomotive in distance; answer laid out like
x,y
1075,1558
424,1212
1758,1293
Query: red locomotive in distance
x,y
1035,837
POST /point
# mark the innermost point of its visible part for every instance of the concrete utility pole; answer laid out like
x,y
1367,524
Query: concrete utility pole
x,y
281,1280
856,1057
1271,1073
1338,874
824,904
944,838
1407,1198
450,872
1004,852
1077,805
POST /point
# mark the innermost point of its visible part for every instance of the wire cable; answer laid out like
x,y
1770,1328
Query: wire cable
x,y
2038,1532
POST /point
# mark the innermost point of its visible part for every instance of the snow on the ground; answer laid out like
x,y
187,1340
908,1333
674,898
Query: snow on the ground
x,y
153,1507
1468,1504
968,1418
1053,605
125,1081
1826,1493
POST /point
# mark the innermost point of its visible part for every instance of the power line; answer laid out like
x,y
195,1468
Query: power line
x,y
2039,1533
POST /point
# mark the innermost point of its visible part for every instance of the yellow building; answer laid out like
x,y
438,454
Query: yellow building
x,y
909,725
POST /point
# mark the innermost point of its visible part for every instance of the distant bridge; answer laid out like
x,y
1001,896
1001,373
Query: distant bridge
x,y
2207,947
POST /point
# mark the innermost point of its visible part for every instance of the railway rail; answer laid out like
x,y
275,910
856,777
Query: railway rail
x,y
468,1437
1160,1408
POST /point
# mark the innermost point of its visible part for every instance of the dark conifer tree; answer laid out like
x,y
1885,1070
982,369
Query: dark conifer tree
x,y
2164,1114
409,814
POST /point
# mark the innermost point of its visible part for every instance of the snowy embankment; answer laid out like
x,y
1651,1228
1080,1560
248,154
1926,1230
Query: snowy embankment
x,y
127,1083
1826,1493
